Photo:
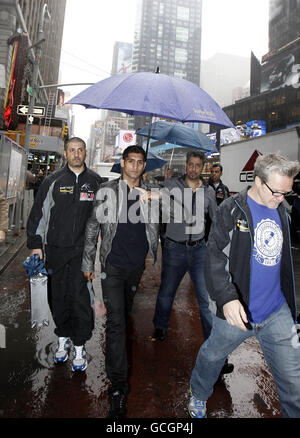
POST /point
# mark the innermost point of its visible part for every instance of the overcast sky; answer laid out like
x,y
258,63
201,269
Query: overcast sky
x,y
92,26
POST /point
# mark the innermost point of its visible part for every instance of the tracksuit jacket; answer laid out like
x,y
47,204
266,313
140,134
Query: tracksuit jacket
x,y
229,250
62,208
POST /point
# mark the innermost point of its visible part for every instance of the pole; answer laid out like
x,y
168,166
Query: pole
x,y
35,73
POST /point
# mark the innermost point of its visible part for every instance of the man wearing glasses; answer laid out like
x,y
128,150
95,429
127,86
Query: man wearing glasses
x,y
249,275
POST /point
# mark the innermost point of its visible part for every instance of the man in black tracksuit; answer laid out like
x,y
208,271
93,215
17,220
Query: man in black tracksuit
x,y
55,230
222,191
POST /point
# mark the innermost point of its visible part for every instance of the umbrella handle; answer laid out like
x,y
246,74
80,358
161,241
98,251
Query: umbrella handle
x,y
148,140
171,158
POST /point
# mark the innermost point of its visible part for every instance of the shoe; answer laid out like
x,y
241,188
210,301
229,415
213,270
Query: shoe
x,y
79,362
227,368
160,334
62,350
117,404
197,408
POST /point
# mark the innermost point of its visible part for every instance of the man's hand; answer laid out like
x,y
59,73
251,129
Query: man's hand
x,y
148,195
38,251
235,314
89,275
2,236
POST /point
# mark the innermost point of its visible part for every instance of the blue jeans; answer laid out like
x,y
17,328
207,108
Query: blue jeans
x,y
177,259
280,345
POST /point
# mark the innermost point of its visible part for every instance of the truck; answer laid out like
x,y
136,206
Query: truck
x,y
238,158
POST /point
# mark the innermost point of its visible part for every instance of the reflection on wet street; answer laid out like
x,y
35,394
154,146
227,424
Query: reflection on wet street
x,y
33,387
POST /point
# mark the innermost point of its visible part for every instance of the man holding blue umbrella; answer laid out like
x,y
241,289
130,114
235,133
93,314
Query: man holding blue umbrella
x,y
129,230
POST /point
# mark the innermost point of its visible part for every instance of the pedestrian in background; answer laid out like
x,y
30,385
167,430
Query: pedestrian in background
x,y
55,231
185,247
125,241
3,216
249,275
222,191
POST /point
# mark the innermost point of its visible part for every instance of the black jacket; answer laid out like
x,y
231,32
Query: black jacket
x,y
228,256
62,208
222,191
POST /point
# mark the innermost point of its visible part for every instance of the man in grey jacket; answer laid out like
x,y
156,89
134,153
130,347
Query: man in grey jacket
x,y
129,230
184,245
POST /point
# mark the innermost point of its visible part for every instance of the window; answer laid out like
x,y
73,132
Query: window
x,y
183,13
182,34
180,55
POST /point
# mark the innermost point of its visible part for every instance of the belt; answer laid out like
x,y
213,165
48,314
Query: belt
x,y
187,242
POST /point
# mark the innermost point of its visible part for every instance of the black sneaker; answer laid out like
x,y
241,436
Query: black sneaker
x,y
117,404
227,368
160,334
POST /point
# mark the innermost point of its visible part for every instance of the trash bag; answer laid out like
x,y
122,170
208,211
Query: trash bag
x,y
35,269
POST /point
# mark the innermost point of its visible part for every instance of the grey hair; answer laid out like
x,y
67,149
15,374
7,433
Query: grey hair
x,y
275,162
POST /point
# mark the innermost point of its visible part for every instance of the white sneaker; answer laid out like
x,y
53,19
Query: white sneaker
x,y
79,362
62,350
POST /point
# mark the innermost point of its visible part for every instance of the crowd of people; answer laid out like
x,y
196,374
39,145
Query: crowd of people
x,y
235,248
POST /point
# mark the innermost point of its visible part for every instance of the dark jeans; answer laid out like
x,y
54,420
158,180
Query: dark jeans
x,y
119,287
177,259
69,297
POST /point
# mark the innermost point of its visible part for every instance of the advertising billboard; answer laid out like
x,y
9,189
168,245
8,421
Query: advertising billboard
x,y
282,69
124,58
125,139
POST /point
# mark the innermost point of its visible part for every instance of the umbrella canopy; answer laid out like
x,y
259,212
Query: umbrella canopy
x,y
179,135
153,162
145,93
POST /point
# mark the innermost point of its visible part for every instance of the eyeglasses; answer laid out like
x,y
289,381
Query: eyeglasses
x,y
278,194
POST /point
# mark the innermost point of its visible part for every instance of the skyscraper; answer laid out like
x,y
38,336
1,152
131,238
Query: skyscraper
x,y
284,25
168,36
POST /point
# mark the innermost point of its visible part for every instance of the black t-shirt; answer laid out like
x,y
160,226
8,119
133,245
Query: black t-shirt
x,y
130,244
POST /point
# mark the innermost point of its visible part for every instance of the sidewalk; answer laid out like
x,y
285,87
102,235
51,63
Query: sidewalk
x,y
10,248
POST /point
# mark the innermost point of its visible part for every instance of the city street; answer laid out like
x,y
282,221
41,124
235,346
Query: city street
x,y
33,387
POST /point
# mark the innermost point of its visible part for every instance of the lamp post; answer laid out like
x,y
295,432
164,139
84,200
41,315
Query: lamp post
x,y
34,85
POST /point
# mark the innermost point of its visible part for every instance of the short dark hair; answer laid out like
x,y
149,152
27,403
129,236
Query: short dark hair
x,y
77,139
134,149
197,154
218,165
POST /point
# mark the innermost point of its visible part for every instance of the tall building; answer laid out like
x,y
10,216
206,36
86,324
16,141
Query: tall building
x,y
168,36
275,82
284,25
19,26
223,75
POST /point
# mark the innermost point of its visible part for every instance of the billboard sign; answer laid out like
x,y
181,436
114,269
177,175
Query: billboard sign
x,y
125,139
124,58
282,69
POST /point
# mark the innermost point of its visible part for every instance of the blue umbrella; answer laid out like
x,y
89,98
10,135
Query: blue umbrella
x,y
179,135
153,162
152,94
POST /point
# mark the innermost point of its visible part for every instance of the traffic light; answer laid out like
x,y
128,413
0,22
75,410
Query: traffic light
x,y
65,131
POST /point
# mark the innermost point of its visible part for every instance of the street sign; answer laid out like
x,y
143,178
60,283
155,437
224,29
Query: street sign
x,y
38,111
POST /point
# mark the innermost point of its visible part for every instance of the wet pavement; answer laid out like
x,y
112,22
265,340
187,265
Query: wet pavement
x,y
33,387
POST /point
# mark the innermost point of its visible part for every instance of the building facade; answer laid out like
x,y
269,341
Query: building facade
x,y
19,26
275,82
284,25
168,36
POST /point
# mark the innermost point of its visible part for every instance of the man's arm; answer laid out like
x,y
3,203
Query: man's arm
x,y
218,278
38,219
90,244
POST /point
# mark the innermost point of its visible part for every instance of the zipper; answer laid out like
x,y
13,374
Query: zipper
x,y
292,267
252,245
